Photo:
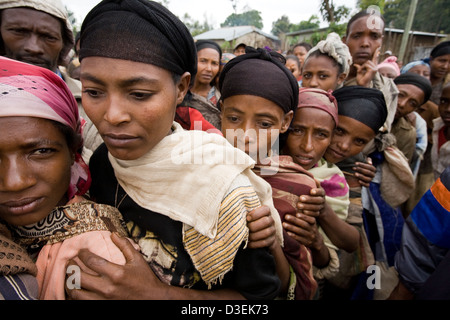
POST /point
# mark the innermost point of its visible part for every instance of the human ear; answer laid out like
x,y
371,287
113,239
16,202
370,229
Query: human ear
x,y
183,86
286,121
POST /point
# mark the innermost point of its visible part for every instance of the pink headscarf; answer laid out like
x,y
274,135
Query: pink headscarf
x,y
390,62
320,99
30,91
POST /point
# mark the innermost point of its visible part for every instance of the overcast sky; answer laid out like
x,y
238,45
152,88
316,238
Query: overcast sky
x,y
215,12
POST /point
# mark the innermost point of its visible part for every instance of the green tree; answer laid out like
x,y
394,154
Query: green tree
x,y
283,25
248,18
331,13
364,4
430,16
194,26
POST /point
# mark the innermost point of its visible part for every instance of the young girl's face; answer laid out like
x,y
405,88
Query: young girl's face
x,y
349,138
253,124
292,65
132,104
321,72
35,164
310,135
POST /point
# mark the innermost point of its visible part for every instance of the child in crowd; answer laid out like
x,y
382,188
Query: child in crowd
x,y
177,190
327,64
255,110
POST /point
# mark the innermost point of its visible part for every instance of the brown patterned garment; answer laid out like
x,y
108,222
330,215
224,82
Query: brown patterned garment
x,y
13,258
64,222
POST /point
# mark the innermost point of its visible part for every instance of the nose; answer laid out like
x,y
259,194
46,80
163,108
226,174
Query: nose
x,y
344,144
314,83
306,143
15,175
116,111
33,45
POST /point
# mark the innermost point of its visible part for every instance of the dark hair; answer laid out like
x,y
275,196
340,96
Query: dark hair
x,y
73,139
318,53
305,45
295,58
362,13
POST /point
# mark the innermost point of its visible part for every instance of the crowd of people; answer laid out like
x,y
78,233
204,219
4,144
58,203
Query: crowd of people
x,y
158,167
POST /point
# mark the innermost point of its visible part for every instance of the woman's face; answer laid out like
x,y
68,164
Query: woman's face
x,y
207,66
35,164
132,104
421,70
320,72
349,138
253,124
440,66
310,135
301,53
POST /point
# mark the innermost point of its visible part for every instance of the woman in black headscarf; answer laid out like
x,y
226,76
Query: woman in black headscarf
x,y
440,66
171,185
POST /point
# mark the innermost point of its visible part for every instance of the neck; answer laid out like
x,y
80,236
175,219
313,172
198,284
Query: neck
x,y
201,89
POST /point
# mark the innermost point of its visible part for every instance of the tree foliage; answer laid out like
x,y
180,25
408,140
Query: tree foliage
x,y
194,26
248,18
331,13
430,16
283,25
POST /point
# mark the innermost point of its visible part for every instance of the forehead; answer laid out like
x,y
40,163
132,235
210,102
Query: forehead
x,y
29,17
313,117
411,89
319,62
208,52
355,127
367,24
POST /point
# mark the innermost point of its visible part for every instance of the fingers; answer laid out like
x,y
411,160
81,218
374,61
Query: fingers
x,y
299,229
258,213
124,244
376,55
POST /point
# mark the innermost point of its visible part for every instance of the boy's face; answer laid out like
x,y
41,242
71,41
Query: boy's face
x,y
349,138
364,37
310,135
410,98
444,106
35,166
132,104
253,124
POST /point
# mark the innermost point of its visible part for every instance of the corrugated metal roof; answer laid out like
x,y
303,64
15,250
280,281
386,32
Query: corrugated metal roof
x,y
231,33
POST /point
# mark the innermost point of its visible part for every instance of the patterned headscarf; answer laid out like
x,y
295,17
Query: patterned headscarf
x,y
30,91
319,99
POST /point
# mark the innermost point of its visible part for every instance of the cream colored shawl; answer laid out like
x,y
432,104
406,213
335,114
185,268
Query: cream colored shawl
x,y
186,176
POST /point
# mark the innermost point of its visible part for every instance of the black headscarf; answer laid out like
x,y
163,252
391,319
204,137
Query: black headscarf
x,y
260,73
417,80
367,105
138,30
441,49
202,44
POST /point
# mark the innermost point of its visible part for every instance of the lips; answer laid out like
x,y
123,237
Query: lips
x,y
304,160
119,140
22,206
336,154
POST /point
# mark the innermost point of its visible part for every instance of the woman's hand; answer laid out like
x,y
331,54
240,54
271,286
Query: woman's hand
x,y
134,280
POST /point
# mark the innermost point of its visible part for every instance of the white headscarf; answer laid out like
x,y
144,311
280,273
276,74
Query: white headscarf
x,y
336,49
